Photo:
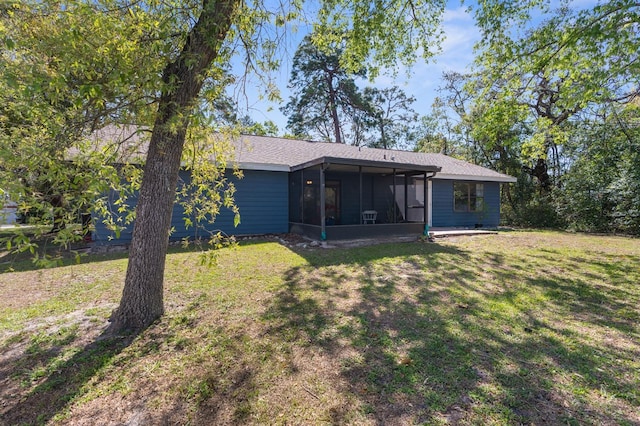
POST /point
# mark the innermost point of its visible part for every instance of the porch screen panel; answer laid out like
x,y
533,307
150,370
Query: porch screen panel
x,y
311,197
382,194
399,211
295,197
415,200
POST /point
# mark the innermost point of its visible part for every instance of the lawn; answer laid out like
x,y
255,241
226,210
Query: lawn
x,y
520,327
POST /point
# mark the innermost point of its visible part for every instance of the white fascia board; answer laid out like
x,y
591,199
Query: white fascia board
x,y
264,167
504,178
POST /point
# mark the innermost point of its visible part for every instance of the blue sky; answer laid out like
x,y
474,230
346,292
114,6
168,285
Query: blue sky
x,y
422,82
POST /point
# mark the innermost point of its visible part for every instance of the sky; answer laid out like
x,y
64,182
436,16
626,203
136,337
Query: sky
x,y
422,83
461,34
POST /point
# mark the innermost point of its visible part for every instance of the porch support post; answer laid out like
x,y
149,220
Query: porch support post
x,y
323,226
425,206
302,183
406,198
395,214
360,194
430,203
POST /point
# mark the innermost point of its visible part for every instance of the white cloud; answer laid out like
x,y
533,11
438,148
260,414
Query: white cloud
x,y
461,34
457,55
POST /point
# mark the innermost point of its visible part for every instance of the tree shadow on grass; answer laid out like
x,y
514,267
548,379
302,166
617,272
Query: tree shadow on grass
x,y
420,339
27,261
83,253
60,378
604,293
406,364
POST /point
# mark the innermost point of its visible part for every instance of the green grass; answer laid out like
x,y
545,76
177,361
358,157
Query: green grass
x,y
522,327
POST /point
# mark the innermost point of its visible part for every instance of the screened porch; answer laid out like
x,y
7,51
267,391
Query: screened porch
x,y
333,198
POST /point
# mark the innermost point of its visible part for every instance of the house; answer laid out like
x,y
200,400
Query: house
x,y
335,191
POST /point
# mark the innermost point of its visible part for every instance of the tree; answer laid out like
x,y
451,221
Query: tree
x,y
391,115
267,128
70,70
574,58
56,88
328,104
446,129
437,132
432,138
142,298
600,190
181,47
325,93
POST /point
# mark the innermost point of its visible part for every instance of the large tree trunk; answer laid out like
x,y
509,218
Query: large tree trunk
x,y
142,297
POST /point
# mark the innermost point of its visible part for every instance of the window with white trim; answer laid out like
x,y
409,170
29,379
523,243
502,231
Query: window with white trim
x,y
468,197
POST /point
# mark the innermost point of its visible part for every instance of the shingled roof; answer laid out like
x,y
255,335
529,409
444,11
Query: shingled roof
x,y
271,153
282,154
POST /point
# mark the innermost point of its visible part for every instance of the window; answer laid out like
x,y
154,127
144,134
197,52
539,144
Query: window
x,y
468,197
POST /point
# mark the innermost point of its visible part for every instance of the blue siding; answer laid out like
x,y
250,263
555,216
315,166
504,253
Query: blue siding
x,y
445,216
261,196
263,199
